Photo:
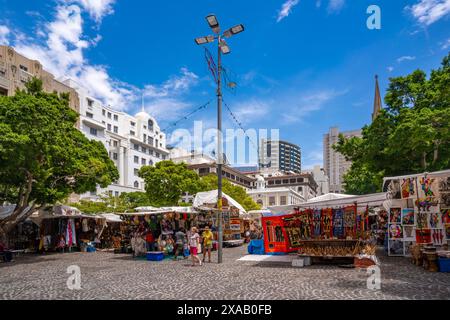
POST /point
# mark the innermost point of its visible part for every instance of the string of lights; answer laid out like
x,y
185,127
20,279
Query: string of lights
x,y
174,124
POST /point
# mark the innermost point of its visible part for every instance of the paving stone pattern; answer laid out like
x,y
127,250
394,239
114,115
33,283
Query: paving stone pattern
x,y
119,276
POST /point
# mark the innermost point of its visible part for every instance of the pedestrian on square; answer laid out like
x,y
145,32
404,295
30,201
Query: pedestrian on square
x,y
194,241
180,240
208,237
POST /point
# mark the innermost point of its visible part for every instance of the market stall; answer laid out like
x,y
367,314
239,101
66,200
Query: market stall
x,y
66,228
332,228
110,235
233,216
419,216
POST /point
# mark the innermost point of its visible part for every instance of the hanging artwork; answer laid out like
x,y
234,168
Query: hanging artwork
x,y
395,215
396,248
444,184
445,213
316,223
407,186
408,246
422,220
447,231
423,236
395,231
408,233
434,220
408,217
305,225
338,223
438,236
327,223
445,200
427,187
394,190
350,221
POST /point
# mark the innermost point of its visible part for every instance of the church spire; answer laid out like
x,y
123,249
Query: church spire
x,y
377,100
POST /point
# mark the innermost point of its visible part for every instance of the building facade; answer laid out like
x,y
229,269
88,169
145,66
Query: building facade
x,y
274,196
280,155
322,180
16,70
131,141
335,164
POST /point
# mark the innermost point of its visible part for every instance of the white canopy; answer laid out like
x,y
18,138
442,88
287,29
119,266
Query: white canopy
x,y
60,211
330,196
111,217
6,211
206,200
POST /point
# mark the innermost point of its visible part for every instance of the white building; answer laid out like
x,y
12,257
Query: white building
x,y
322,180
132,142
335,164
275,196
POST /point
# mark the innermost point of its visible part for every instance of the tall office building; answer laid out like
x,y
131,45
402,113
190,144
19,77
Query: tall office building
x,y
131,141
335,164
280,156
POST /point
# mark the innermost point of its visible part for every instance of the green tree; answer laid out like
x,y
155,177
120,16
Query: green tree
x,y
127,201
166,182
411,135
43,157
236,192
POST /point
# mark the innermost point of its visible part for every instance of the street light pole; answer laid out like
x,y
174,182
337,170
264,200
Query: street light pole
x,y
222,47
219,151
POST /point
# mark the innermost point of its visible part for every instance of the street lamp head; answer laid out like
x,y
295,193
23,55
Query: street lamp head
x,y
224,47
203,40
237,29
213,23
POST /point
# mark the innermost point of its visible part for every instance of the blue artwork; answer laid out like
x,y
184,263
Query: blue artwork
x,y
338,223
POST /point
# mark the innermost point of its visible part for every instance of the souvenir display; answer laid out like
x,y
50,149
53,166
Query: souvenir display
x,y
408,232
434,220
422,220
327,216
395,231
438,236
447,231
394,190
423,236
445,213
350,222
396,248
316,224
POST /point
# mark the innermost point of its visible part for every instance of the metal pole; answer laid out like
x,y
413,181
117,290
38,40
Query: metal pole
x,y
219,151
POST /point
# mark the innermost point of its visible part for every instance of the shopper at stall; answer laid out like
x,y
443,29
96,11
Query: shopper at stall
x,y
180,241
194,241
207,236
150,240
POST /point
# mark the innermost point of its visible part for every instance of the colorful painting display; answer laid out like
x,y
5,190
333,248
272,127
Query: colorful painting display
x,y
396,248
395,215
408,187
435,220
316,224
327,223
395,231
423,236
408,217
338,223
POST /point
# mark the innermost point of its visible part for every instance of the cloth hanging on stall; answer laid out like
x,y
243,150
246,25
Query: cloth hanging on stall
x,y
316,223
327,223
85,225
71,238
338,223
349,221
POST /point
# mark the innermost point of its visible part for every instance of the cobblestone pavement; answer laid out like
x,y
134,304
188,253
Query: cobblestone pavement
x,y
119,276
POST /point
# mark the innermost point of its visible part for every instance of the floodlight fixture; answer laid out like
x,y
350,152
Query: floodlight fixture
x,y
213,23
224,47
203,40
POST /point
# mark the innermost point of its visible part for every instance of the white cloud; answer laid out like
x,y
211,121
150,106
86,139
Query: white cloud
x,y
310,103
286,9
428,12
445,45
405,58
175,85
251,110
390,69
4,35
97,9
335,6
312,158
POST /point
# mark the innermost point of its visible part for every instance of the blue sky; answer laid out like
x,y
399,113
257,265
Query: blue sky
x,y
301,66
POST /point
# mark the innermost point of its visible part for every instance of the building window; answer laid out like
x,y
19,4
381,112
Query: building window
x,y
150,162
132,123
271,201
157,154
136,147
150,141
116,193
132,132
136,184
23,68
136,159
93,131
115,156
143,162
150,152
89,115
103,112
145,138
150,125
164,157
109,115
283,201
116,129
115,143
156,142
136,172
116,117
144,149
109,127
90,102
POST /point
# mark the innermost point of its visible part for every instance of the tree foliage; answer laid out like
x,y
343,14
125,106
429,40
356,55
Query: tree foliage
x,y
236,192
411,135
167,181
126,201
43,157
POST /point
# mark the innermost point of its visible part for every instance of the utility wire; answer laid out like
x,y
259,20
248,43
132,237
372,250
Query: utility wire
x,y
174,124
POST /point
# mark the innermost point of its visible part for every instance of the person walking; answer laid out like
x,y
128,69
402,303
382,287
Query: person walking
x,y
180,240
208,237
194,241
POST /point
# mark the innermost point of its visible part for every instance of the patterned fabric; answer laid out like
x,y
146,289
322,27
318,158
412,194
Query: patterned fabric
x,y
316,224
338,223
327,223
350,221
